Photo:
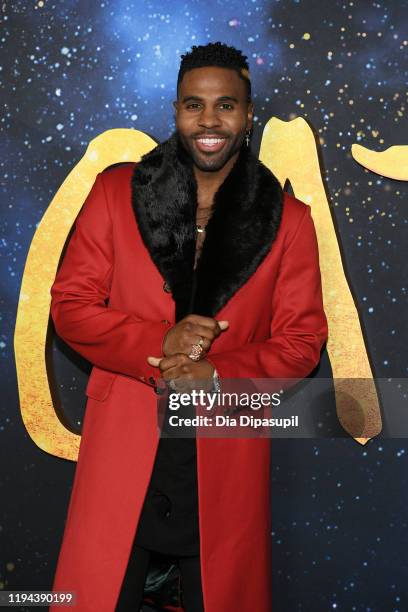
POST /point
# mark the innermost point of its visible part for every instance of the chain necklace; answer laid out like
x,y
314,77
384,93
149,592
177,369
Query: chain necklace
x,y
199,227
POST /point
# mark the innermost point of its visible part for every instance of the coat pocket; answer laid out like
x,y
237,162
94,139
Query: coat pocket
x,y
100,384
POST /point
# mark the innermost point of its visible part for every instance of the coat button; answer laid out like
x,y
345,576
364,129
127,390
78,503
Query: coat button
x,y
163,504
166,287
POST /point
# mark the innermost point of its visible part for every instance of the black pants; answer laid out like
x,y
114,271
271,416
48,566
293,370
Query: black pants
x,y
131,594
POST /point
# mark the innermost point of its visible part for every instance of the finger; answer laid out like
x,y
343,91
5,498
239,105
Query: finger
x,y
197,334
198,351
223,325
205,343
205,332
154,361
201,336
201,320
175,372
217,326
176,360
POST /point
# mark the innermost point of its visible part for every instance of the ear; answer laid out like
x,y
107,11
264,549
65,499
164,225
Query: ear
x,y
175,104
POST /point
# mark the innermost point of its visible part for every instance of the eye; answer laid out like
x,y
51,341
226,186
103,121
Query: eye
x,y
227,104
192,104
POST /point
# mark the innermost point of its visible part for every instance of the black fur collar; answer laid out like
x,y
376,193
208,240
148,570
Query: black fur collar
x,y
243,226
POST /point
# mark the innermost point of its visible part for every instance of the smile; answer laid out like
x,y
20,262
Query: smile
x,y
210,144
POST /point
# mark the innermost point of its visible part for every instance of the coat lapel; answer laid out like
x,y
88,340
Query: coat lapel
x,y
246,218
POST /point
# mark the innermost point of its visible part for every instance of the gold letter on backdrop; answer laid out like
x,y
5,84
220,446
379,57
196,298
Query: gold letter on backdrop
x,y
290,152
393,162
38,413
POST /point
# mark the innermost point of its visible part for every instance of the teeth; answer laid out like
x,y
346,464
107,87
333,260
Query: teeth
x,y
211,141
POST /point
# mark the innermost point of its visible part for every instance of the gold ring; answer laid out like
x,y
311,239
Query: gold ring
x,y
196,352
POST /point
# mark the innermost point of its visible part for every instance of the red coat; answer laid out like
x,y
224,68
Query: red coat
x,y
277,328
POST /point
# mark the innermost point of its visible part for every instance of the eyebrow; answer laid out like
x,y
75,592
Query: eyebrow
x,y
197,98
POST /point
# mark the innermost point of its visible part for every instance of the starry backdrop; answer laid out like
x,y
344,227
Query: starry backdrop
x,y
70,70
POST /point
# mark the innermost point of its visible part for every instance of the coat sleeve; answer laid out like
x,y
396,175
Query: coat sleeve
x,y
298,327
108,338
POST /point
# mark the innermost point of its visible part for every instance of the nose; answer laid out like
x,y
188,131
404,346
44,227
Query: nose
x,y
209,118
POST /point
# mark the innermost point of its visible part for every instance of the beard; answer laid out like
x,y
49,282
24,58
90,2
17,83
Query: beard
x,y
211,161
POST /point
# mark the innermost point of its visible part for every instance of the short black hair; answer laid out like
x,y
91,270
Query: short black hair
x,y
216,54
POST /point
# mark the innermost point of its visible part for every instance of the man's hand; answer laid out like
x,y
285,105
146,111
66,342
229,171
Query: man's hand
x,y
187,374
188,331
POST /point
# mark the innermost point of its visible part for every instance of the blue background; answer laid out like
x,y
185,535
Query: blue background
x,y
71,70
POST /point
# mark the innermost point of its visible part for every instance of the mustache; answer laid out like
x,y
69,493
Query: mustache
x,y
210,134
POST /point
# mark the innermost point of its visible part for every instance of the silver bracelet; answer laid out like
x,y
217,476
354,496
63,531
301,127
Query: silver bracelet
x,y
216,381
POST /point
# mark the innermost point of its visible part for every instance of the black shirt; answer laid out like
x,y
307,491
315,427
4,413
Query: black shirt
x,y
169,520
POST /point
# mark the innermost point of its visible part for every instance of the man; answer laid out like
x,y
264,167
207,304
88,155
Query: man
x,y
208,269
